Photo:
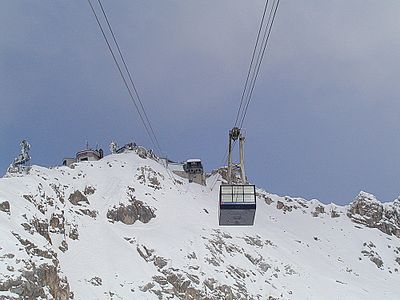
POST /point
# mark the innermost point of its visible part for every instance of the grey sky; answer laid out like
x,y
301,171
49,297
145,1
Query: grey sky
x,y
324,115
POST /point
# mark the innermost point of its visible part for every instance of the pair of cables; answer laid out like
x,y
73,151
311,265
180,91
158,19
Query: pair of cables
x,y
263,35
113,47
126,77
260,47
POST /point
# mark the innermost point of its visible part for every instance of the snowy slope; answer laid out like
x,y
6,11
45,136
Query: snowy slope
x,y
121,228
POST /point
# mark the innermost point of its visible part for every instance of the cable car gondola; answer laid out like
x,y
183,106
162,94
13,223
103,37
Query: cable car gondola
x,y
237,202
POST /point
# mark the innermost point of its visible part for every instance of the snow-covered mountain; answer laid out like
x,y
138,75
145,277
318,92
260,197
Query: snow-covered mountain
x,y
123,228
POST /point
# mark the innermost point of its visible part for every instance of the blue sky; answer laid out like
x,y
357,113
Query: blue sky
x,y
324,115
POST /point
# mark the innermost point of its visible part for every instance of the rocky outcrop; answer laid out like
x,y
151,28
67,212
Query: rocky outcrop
x,y
89,190
367,210
370,252
40,207
174,282
59,191
147,175
96,281
129,214
264,197
76,198
35,283
148,255
42,227
91,213
180,284
73,232
38,277
5,207
56,223
319,209
282,206
334,214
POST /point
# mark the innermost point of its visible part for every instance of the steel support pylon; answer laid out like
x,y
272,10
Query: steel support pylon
x,y
234,135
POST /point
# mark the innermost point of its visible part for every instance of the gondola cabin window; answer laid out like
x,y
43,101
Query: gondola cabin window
x,y
237,194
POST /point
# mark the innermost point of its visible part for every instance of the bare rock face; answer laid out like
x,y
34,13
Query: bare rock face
x,y
370,252
129,214
57,223
318,210
89,190
59,287
33,283
73,233
180,284
37,281
223,171
334,214
42,227
367,210
76,198
282,206
148,255
147,175
96,281
5,207
264,197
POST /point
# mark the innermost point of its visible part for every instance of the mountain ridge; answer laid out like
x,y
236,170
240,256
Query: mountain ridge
x,y
124,228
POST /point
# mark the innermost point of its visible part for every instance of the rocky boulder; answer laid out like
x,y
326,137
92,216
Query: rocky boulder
x,y
129,214
5,207
76,198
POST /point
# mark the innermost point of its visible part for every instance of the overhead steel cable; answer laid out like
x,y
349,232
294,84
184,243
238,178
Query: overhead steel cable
x,y
267,34
153,138
122,74
259,52
130,77
254,67
247,82
251,63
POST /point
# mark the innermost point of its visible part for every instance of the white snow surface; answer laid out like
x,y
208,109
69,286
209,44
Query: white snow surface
x,y
289,253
